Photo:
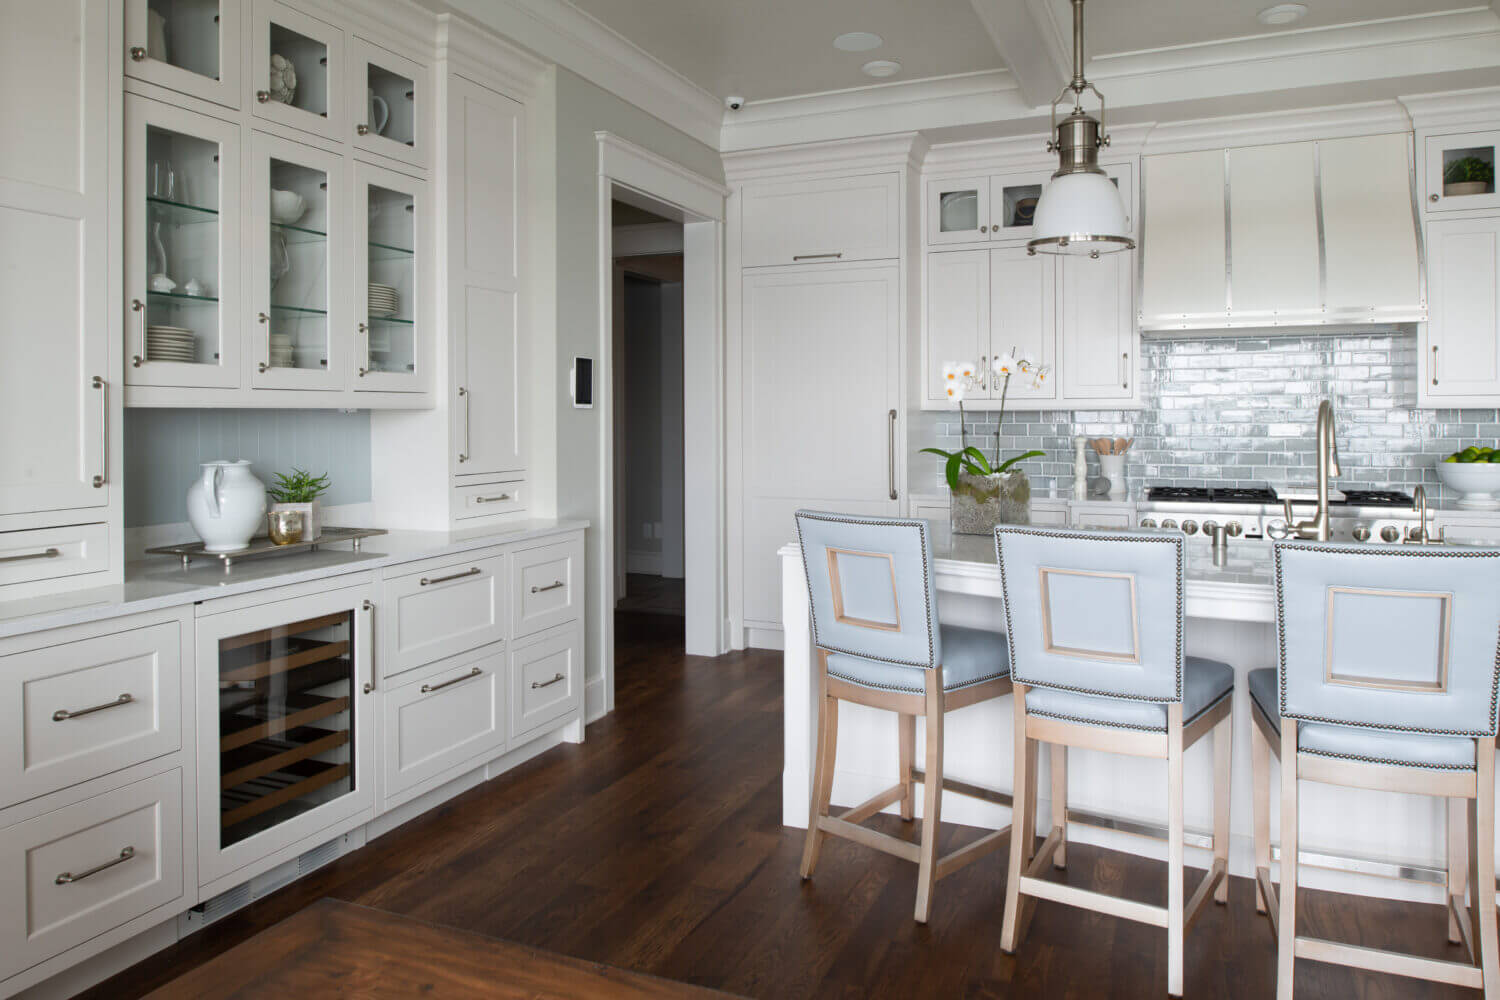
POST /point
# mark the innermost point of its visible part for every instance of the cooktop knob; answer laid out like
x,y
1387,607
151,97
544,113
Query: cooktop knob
x,y
1169,522
1209,526
1390,533
1148,522
1234,529
1190,527
1361,532
1277,528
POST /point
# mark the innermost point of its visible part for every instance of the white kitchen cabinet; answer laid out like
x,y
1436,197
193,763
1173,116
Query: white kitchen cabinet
x,y
1273,229
999,206
821,402
392,109
1096,328
546,676
1460,171
190,46
1185,271
1372,266
958,317
958,210
1459,363
1023,319
55,310
546,587
315,51
821,220
442,607
393,241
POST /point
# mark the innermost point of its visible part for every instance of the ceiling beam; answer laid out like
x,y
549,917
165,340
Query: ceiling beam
x,y
1031,43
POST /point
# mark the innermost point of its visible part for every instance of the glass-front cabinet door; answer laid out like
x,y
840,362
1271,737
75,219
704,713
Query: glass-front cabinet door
x,y
297,267
391,103
389,298
284,737
190,46
1013,200
957,209
1460,171
296,69
182,247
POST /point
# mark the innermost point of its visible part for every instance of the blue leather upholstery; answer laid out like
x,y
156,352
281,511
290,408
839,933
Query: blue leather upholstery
x,y
1355,743
970,656
872,588
1094,613
1205,682
1392,637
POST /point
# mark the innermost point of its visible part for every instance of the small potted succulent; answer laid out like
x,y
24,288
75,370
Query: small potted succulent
x,y
986,493
1468,175
300,491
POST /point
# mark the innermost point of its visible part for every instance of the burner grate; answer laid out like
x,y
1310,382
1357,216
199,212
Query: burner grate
x,y
1376,498
1217,494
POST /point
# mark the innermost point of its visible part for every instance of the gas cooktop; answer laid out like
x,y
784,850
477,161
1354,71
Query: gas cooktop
x,y
1258,495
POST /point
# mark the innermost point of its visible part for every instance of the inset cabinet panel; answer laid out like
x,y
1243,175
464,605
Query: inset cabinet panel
x,y
821,221
1096,328
442,610
390,101
546,680
190,46
1274,229
1460,171
387,295
1184,273
957,209
1023,320
443,718
1462,356
298,68
958,317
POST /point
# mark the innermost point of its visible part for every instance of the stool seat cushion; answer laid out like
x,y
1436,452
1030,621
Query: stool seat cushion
x,y
970,656
1204,683
1375,746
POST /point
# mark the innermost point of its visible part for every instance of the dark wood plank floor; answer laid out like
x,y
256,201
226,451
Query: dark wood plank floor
x,y
657,846
655,595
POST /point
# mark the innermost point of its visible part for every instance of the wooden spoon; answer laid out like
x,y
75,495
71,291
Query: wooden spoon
x,y
1120,445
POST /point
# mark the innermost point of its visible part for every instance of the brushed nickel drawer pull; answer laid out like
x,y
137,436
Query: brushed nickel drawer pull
x,y
126,853
429,688
63,715
471,571
463,394
543,684
498,499
554,585
817,256
103,476
368,607
1434,358
49,554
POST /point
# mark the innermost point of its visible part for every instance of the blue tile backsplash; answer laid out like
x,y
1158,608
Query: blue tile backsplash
x,y
163,449
1240,410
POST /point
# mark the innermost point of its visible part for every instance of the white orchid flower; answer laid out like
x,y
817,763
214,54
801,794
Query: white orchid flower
x,y
1006,365
1038,376
955,390
958,378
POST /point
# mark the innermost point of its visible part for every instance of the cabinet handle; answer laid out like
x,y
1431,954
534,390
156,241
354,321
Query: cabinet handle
x,y
48,554
890,459
1125,367
63,715
471,571
262,96
817,256
362,129
498,499
544,684
1433,197
137,53
369,608
103,476
429,688
364,328
139,308
126,853
984,229
554,585
1434,358
463,394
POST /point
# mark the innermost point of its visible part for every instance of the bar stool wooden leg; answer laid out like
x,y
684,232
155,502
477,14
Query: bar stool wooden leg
x,y
1019,836
932,795
907,726
822,793
1174,850
1223,743
1260,768
1482,872
1059,753
1286,925
1458,864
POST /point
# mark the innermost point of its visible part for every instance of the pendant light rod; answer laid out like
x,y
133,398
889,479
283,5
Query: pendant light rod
x,y
1079,83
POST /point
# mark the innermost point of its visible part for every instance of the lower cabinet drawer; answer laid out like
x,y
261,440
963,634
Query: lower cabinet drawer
x,y
50,553
547,587
444,716
88,707
1099,519
489,499
76,872
546,680
443,609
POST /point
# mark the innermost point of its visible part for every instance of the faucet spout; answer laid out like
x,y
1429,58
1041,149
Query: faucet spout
x,y
1320,527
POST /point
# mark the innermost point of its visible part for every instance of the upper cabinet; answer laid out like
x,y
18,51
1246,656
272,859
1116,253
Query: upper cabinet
x,y
391,241
190,46
296,66
1460,171
391,105
1459,360
998,206
821,221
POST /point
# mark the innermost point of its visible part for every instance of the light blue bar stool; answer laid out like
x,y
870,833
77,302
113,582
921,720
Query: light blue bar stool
x,y
879,643
1095,622
1387,673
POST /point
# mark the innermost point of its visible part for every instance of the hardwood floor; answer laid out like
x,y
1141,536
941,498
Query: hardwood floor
x,y
657,846
659,595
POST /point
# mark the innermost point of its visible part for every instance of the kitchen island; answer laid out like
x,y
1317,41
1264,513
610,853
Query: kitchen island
x,y
1373,843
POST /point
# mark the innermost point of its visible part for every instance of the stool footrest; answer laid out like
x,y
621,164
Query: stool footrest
x,y
904,849
1217,872
1143,913
1273,902
869,807
988,844
1376,960
1458,906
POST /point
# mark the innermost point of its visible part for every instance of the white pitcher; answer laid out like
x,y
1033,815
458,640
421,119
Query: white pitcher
x,y
226,505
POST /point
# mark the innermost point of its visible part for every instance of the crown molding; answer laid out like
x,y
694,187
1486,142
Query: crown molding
x,y
905,150
638,167
1026,152
484,57
1464,108
1336,122
1450,41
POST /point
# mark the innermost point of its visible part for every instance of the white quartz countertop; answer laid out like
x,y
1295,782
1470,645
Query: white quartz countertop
x,y
161,581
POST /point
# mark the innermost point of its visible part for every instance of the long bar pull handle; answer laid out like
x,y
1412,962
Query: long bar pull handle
x,y
364,330
139,308
1434,364
463,394
126,853
544,684
554,585
471,571
45,554
891,454
817,256
429,688
369,608
498,499
1125,368
103,476
63,715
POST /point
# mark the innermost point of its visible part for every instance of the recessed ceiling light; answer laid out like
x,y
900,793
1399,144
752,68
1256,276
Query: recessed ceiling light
x,y
881,68
858,41
1282,13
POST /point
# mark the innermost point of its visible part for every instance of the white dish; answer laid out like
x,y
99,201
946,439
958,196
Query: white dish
x,y
1478,483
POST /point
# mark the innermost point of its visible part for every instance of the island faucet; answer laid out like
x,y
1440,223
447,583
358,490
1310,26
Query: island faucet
x,y
1320,527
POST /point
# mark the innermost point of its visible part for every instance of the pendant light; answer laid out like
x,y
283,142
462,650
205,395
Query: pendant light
x,y
1080,211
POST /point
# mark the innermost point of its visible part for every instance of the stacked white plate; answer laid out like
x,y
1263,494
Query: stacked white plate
x,y
383,300
281,351
171,343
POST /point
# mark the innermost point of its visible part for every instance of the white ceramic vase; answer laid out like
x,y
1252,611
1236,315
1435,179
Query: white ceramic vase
x,y
226,505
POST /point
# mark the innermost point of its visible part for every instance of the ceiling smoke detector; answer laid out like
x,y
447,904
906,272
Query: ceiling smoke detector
x,y
1282,14
858,41
881,68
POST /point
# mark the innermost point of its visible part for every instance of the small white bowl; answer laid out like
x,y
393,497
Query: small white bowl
x,y
1477,482
287,206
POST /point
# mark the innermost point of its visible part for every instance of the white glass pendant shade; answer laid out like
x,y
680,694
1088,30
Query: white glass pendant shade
x,y
1080,213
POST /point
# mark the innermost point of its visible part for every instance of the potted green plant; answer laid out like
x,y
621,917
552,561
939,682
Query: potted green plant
x,y
1468,175
985,493
300,491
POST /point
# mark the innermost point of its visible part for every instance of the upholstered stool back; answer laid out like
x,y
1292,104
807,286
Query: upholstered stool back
x,y
872,588
1097,613
1390,637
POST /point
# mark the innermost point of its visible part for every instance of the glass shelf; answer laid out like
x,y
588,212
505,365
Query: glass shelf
x,y
391,321
181,213
181,298
300,234
299,310
384,251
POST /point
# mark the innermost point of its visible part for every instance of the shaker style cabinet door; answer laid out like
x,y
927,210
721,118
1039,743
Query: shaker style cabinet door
x,y
1462,350
1096,327
958,317
54,258
1023,319
190,46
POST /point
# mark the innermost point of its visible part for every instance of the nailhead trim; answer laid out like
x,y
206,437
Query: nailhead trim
x,y
1278,547
1177,540
1125,725
1383,760
899,689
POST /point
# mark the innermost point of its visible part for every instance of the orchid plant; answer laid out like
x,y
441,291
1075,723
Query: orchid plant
x,y
961,377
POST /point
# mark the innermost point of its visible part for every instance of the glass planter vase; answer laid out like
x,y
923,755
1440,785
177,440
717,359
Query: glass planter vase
x,y
981,502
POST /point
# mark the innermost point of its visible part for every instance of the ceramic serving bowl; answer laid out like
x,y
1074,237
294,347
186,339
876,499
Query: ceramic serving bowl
x,y
287,206
1478,483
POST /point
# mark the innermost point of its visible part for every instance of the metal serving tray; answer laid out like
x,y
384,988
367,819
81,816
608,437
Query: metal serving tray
x,y
261,545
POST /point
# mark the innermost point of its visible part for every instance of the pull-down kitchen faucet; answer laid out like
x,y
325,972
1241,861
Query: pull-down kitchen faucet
x,y
1319,528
